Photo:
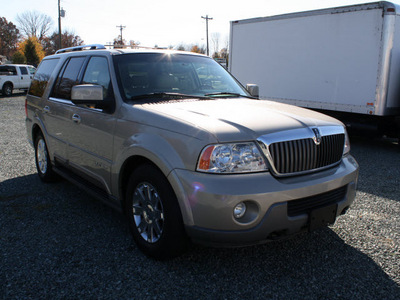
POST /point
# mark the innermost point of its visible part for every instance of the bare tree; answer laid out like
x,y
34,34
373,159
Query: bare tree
x,y
215,37
33,23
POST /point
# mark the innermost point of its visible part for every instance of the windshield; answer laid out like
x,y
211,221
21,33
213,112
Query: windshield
x,y
154,74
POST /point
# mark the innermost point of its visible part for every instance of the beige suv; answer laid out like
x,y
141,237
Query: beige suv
x,y
175,142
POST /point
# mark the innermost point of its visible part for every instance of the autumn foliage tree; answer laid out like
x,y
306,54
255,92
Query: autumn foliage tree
x,y
68,39
9,35
31,50
197,49
19,58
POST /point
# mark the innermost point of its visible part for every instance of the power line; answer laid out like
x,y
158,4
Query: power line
x,y
207,18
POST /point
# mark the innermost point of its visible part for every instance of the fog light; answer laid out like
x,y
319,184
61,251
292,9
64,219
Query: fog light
x,y
239,210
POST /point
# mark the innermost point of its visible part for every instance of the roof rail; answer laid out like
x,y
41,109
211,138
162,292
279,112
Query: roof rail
x,y
80,48
116,46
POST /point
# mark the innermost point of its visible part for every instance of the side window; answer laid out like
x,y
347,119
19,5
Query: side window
x,y
32,70
8,70
42,77
68,78
13,70
23,70
97,73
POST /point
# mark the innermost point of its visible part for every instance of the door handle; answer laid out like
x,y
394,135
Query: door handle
x,y
46,109
76,118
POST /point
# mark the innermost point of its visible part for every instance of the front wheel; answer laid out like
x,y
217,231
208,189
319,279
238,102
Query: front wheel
x,y
7,90
42,159
153,213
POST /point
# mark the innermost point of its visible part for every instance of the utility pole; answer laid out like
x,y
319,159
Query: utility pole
x,y
121,28
207,18
59,24
61,14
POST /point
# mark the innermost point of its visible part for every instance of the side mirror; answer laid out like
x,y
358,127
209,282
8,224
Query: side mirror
x,y
91,94
253,89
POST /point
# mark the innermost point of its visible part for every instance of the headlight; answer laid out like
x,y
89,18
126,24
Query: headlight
x,y
346,148
231,158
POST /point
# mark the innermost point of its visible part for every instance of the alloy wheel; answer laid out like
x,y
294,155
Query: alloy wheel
x,y
41,155
148,213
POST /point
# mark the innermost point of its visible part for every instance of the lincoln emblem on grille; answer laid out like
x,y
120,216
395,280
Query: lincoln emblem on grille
x,y
317,136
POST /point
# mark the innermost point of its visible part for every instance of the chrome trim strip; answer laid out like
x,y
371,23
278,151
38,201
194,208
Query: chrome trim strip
x,y
59,100
69,102
299,133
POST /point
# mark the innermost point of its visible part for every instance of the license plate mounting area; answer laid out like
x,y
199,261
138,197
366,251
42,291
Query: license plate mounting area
x,y
322,217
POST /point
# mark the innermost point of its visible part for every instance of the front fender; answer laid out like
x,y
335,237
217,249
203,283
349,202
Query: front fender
x,y
150,146
161,153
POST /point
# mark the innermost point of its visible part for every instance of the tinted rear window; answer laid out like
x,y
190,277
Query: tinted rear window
x,y
42,77
8,70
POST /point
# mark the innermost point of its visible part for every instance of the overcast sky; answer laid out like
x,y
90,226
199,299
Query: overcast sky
x,y
158,22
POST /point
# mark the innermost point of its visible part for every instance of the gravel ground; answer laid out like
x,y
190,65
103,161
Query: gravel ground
x,y
58,242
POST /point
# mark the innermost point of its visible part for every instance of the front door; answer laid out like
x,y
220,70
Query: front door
x,y
90,130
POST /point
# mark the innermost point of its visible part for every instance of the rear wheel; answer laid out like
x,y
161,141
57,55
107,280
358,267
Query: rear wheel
x,y
42,159
154,215
7,89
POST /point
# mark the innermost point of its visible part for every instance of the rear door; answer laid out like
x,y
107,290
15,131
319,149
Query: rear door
x,y
24,78
58,110
37,95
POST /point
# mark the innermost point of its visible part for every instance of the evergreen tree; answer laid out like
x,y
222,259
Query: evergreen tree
x,y
31,55
32,50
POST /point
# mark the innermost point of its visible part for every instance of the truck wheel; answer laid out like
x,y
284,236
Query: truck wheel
x,y
7,89
154,215
42,159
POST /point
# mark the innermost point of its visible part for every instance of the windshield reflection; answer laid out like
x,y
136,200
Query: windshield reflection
x,y
156,73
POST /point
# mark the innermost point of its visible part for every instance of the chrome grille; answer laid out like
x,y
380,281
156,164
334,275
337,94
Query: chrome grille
x,y
302,155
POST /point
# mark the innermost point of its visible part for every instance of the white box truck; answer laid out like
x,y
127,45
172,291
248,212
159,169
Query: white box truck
x,y
344,61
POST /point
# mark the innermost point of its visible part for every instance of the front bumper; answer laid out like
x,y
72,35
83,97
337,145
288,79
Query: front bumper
x,y
207,202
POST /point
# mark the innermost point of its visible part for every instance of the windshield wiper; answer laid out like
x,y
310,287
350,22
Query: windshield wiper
x,y
229,94
164,96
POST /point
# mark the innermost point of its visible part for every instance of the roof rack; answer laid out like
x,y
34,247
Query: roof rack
x,y
81,48
116,46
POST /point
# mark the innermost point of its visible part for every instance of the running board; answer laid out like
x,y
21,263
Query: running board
x,y
88,187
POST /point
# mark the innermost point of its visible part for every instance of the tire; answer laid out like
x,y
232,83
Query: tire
x,y
7,90
154,215
42,160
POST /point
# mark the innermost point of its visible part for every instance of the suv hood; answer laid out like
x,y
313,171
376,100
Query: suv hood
x,y
240,119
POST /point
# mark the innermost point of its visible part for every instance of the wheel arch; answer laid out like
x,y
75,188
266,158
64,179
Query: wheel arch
x,y
36,130
8,82
5,84
134,161
130,164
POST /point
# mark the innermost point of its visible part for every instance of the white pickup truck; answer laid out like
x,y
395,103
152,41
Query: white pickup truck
x,y
15,77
